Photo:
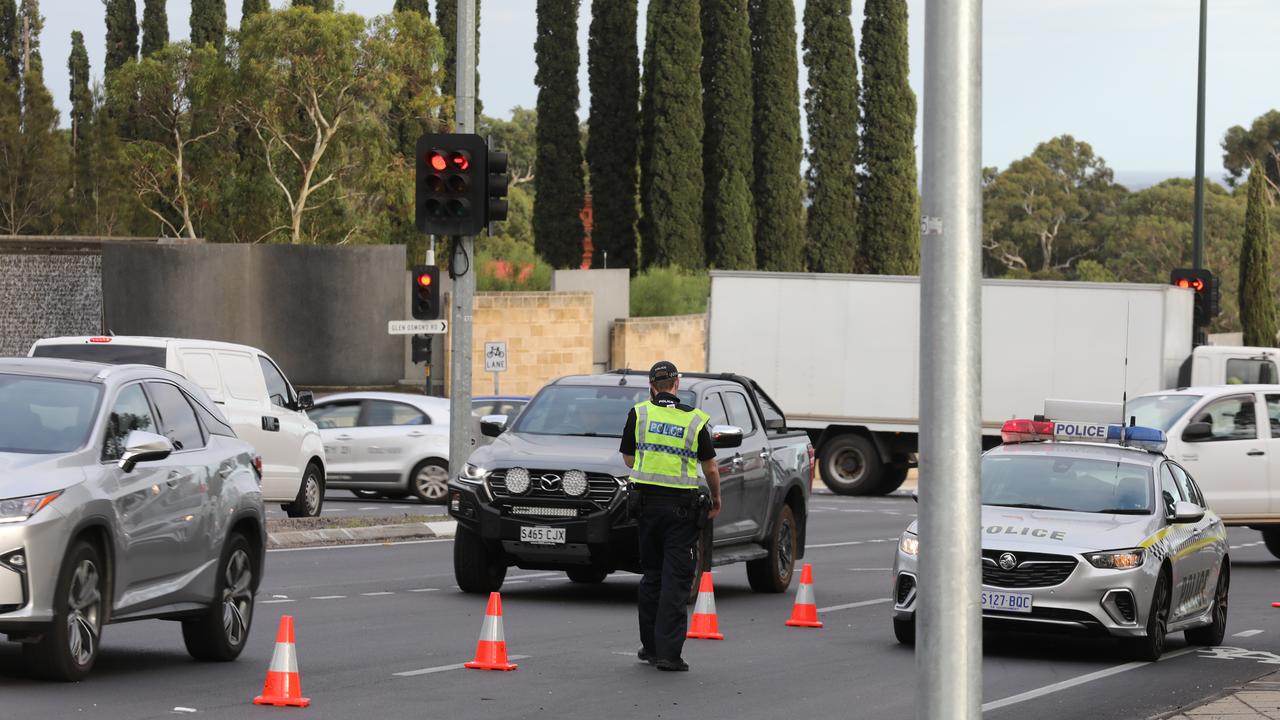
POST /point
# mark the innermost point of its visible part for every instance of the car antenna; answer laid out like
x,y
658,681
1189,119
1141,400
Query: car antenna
x,y
1124,390
623,381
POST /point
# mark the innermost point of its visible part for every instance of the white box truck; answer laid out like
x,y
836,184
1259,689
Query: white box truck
x,y
841,353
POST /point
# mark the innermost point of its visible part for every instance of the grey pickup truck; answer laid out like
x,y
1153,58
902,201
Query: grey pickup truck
x,y
550,492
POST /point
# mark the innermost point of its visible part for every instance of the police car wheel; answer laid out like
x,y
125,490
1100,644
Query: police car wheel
x,y
474,568
772,573
905,631
851,465
1271,536
1212,634
1151,647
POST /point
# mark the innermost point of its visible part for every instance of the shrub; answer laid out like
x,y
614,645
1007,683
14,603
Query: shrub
x,y
664,291
506,265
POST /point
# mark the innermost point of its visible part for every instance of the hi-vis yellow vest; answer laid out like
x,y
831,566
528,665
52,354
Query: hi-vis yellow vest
x,y
667,446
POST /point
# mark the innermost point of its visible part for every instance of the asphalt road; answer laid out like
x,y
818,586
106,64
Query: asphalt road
x,y
365,614
341,503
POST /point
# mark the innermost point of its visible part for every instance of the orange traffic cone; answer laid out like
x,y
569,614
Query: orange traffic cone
x,y
491,651
282,687
805,611
705,625
1276,605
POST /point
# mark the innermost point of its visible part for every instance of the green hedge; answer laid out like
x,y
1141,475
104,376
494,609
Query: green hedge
x,y
662,291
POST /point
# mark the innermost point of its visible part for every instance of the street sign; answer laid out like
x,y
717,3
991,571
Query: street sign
x,y
495,357
417,327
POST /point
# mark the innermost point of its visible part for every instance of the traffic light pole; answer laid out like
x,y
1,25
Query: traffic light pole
x,y
1197,233
949,619
462,257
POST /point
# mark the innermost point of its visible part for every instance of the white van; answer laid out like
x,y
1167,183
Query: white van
x,y
253,393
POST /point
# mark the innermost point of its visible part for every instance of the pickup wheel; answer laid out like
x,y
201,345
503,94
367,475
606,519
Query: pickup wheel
x,y
701,562
851,465
587,576
772,573
474,565
1271,536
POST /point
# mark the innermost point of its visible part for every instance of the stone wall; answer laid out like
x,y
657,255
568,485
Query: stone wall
x,y
548,335
638,343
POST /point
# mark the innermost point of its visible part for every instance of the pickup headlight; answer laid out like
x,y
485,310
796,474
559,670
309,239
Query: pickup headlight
x,y
1117,559
473,474
17,510
909,544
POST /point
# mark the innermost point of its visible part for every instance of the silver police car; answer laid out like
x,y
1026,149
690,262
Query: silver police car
x,y
124,495
1087,537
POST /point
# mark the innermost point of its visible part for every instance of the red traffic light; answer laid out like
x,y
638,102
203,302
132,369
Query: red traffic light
x,y
1190,283
437,161
424,280
460,160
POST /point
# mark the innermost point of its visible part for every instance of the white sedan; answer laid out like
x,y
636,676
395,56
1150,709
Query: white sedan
x,y
383,444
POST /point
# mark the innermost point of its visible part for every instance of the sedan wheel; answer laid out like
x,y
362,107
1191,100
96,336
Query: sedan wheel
x,y
431,482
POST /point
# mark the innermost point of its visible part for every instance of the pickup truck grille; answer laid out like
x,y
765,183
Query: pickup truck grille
x,y
601,488
1032,570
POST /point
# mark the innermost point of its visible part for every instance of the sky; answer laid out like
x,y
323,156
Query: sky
x,y
1118,74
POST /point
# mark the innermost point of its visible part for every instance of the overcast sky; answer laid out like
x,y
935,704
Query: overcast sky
x,y
1119,74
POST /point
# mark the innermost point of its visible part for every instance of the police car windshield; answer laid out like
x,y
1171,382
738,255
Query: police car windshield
x,y
584,410
1067,483
1159,411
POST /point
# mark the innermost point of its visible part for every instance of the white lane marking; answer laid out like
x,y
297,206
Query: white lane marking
x,y
181,709
869,569
329,597
1247,633
847,606
424,589
274,602
445,668
361,545
535,575
1078,680
399,507
515,582
367,508
334,510
377,594
838,544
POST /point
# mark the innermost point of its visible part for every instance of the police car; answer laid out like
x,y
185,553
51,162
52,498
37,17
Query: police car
x,y
1089,528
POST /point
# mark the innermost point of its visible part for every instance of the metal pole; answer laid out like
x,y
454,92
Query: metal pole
x,y
949,633
1197,233
462,261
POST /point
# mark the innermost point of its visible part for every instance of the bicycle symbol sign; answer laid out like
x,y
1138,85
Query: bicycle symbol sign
x,y
495,357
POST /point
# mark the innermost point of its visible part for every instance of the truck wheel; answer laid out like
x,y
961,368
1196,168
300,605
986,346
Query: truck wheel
x,y
893,477
1271,536
772,573
587,576
851,465
474,565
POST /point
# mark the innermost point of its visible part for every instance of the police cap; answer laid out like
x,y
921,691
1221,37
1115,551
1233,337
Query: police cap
x,y
662,370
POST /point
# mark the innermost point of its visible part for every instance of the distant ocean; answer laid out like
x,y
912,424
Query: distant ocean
x,y
1135,180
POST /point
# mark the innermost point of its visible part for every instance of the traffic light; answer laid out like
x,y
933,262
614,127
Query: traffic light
x,y
425,291
496,187
420,347
1207,290
460,184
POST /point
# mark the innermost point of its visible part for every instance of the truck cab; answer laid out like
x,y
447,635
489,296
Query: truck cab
x,y
1230,365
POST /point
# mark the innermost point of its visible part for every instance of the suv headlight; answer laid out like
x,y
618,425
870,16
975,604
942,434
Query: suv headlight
x,y
909,544
473,474
16,510
1117,559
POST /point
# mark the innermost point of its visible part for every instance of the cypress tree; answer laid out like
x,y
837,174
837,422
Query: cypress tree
x,y
613,140
122,33
29,10
671,137
155,26
81,104
779,197
418,6
728,223
209,22
831,104
888,199
10,44
1257,302
253,7
317,5
557,225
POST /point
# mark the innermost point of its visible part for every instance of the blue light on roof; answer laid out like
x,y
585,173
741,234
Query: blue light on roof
x,y
1145,438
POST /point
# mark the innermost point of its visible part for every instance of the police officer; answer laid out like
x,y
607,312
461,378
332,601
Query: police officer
x,y
664,443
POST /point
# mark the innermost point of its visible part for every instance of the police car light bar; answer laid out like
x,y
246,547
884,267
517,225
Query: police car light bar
x,y
1024,431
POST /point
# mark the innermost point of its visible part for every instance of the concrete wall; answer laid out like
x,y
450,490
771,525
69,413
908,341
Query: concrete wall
x,y
548,335
612,292
640,342
321,312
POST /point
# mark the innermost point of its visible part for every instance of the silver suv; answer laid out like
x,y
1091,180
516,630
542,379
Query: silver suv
x,y
124,495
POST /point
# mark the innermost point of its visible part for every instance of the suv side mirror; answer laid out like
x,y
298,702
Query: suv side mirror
x,y
306,400
1197,432
726,436
1186,512
142,446
493,425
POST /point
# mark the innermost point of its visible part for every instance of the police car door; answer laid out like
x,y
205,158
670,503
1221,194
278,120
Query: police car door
x,y
1204,554
1178,545
1230,462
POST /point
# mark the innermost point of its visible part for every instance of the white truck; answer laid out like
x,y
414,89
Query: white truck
x,y
841,353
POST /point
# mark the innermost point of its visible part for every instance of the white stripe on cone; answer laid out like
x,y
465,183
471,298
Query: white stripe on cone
x,y
706,604
283,659
804,596
491,631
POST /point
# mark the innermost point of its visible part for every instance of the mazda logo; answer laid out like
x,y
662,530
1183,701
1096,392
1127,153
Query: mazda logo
x,y
1008,561
549,482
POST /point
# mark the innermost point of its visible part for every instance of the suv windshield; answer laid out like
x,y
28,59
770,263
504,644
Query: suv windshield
x,y
43,415
1067,483
1159,411
584,410
105,353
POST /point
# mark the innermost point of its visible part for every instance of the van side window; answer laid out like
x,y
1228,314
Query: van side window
x,y
277,387
1251,371
131,412
202,369
240,376
177,419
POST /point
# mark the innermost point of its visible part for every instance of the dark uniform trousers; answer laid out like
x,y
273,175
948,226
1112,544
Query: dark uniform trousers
x,y
668,533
